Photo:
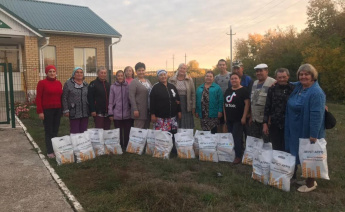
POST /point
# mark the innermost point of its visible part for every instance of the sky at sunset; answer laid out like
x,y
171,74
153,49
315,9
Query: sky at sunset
x,y
155,30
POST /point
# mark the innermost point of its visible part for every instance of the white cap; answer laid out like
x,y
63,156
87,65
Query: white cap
x,y
261,66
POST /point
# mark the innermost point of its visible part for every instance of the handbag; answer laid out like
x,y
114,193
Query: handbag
x,y
330,120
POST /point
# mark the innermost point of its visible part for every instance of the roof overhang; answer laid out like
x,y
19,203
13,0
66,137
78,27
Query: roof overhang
x,y
21,21
79,33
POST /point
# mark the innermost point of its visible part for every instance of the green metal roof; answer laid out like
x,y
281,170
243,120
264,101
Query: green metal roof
x,y
61,18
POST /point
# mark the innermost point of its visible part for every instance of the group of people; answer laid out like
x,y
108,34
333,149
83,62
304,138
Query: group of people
x,y
273,109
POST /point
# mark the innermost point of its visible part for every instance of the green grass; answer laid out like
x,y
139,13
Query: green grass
x,y
141,183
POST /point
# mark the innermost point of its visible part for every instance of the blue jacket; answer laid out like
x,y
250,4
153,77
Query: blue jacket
x,y
216,100
246,81
306,122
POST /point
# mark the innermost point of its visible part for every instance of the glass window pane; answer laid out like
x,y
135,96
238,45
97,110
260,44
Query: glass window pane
x,y
90,57
49,56
79,57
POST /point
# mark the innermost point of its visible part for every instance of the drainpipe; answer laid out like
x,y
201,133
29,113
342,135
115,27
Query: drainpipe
x,y
111,55
41,56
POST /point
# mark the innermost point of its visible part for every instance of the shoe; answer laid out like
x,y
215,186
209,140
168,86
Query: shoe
x,y
302,182
305,189
51,155
237,160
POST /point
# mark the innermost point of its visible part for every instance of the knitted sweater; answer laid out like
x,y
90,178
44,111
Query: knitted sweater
x,y
49,93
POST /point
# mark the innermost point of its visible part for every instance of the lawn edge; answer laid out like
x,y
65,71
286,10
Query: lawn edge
x,y
72,200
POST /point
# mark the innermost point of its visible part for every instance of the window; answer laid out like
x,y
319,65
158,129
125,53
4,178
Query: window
x,y
85,58
49,56
10,54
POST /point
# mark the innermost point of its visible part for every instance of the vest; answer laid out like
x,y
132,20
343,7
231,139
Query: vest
x,y
258,99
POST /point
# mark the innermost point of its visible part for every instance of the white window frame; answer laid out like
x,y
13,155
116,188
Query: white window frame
x,y
84,60
42,69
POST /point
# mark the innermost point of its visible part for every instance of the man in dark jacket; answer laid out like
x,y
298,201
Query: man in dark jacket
x,y
274,115
98,97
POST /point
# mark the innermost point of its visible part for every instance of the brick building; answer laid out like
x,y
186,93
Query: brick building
x,y
34,34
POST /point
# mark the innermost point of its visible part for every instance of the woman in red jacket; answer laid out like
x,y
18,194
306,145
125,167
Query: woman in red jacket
x,y
48,101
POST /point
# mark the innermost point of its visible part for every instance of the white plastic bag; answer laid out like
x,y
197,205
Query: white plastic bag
x,y
225,147
96,138
163,144
281,170
207,148
63,149
137,141
82,147
252,143
188,131
261,163
112,141
184,145
196,140
313,158
150,141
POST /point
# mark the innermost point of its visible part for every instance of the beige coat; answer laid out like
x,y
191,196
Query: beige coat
x,y
139,96
190,91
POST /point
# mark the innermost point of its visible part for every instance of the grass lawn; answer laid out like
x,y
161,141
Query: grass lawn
x,y
131,182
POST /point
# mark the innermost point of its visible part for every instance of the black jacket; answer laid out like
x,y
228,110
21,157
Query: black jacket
x,y
98,96
276,100
163,100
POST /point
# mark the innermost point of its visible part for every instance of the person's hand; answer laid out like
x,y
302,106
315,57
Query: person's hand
x,y
111,118
136,114
41,116
220,115
179,115
312,140
153,118
265,129
326,108
250,120
66,114
243,120
93,114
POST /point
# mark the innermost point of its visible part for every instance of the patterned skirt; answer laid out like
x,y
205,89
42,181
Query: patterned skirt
x,y
187,121
165,124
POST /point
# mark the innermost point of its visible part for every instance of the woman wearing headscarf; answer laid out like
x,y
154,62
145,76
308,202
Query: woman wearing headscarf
x,y
305,116
98,97
139,90
74,101
164,104
48,102
209,103
185,88
119,107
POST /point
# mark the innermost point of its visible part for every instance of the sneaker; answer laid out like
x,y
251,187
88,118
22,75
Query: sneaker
x,y
306,189
51,155
237,160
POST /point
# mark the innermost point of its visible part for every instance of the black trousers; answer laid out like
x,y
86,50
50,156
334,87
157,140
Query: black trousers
x,y
276,137
51,124
236,129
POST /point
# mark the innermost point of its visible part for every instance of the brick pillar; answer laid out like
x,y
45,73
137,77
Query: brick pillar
x,y
31,55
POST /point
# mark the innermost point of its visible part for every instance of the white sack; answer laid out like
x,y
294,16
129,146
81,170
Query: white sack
x,y
184,145
188,131
96,138
225,147
82,147
112,141
150,141
196,138
313,158
251,144
163,144
207,148
63,149
261,163
137,141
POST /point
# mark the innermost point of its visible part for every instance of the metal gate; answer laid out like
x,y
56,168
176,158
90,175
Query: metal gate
x,y
6,95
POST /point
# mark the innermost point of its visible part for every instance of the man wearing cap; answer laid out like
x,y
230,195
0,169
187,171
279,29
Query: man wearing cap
x,y
246,81
258,100
222,79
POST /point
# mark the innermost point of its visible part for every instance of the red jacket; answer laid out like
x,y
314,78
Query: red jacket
x,y
49,93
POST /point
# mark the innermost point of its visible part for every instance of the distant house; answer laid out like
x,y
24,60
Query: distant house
x,y
34,34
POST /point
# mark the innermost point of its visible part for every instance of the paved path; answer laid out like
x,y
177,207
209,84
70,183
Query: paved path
x,y
25,183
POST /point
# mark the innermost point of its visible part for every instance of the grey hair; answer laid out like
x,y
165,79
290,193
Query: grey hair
x,y
179,66
282,70
309,69
100,69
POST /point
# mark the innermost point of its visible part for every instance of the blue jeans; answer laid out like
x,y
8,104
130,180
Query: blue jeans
x,y
236,129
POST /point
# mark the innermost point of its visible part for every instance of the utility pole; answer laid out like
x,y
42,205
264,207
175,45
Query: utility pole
x,y
173,62
231,46
185,58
